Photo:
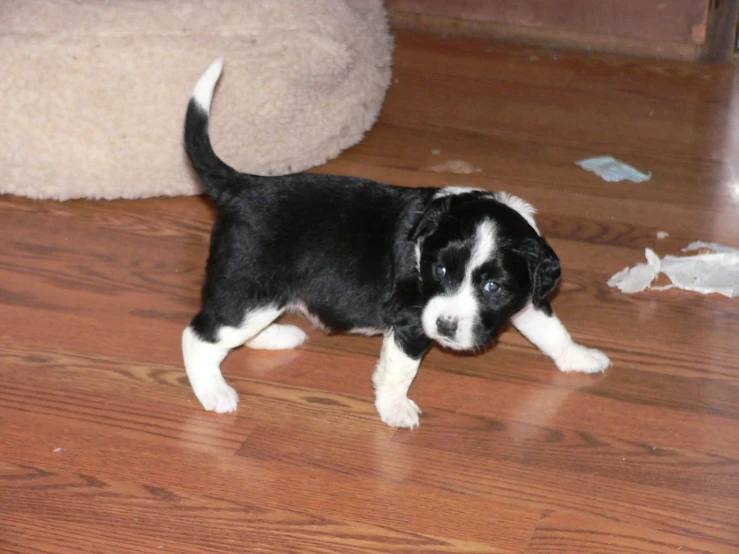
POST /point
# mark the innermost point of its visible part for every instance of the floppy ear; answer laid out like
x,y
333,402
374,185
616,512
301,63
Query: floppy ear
x,y
430,219
544,269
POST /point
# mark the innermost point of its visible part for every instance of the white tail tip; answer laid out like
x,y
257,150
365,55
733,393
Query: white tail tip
x,y
203,93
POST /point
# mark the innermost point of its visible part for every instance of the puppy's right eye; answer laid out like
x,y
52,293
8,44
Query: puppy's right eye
x,y
491,287
439,270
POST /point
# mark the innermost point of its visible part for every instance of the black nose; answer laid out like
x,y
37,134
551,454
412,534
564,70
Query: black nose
x,y
447,326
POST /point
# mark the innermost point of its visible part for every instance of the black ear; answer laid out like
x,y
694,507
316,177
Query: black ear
x,y
430,219
544,269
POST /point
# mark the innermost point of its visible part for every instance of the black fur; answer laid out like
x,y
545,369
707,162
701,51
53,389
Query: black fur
x,y
345,248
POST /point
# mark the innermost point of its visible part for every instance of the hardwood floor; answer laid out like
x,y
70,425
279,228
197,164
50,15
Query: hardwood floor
x,y
103,447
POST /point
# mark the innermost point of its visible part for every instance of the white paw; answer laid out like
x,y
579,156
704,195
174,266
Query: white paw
x,y
582,359
278,337
217,396
398,411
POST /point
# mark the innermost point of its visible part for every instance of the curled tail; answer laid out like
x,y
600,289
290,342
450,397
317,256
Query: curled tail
x,y
216,177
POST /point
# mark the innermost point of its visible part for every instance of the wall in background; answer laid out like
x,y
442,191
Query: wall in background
x,y
678,29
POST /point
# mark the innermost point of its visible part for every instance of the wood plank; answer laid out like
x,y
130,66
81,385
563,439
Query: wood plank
x,y
403,508
562,532
488,477
149,518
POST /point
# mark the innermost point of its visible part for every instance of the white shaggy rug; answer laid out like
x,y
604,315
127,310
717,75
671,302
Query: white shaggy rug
x,y
94,91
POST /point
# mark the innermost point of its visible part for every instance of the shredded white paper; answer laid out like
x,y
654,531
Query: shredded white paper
x,y
662,235
639,277
713,272
612,170
699,244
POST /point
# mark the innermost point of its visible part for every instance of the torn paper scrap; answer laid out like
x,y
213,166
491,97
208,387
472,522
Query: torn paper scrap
x,y
700,245
662,235
639,277
459,167
610,169
714,272
705,273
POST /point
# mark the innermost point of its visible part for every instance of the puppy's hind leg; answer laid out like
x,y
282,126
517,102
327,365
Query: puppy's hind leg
x,y
205,345
549,334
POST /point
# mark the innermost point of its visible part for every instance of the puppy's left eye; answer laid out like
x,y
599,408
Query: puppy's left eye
x,y
439,270
490,287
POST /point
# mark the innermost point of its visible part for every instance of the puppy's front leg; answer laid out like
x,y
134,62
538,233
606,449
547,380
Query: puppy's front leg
x,y
396,369
550,336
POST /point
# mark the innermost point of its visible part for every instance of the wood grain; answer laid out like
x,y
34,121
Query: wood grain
x,y
103,447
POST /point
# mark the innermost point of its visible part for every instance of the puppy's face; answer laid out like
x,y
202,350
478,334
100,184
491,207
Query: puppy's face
x,y
480,262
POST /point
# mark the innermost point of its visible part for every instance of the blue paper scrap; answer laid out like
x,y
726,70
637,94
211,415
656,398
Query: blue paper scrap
x,y
610,169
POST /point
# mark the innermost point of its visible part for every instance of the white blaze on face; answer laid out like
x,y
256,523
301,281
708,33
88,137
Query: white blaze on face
x,y
461,305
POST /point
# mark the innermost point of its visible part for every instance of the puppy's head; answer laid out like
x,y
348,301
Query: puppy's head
x,y
480,260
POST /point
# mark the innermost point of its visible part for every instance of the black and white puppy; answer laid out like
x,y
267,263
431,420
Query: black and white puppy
x,y
450,265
